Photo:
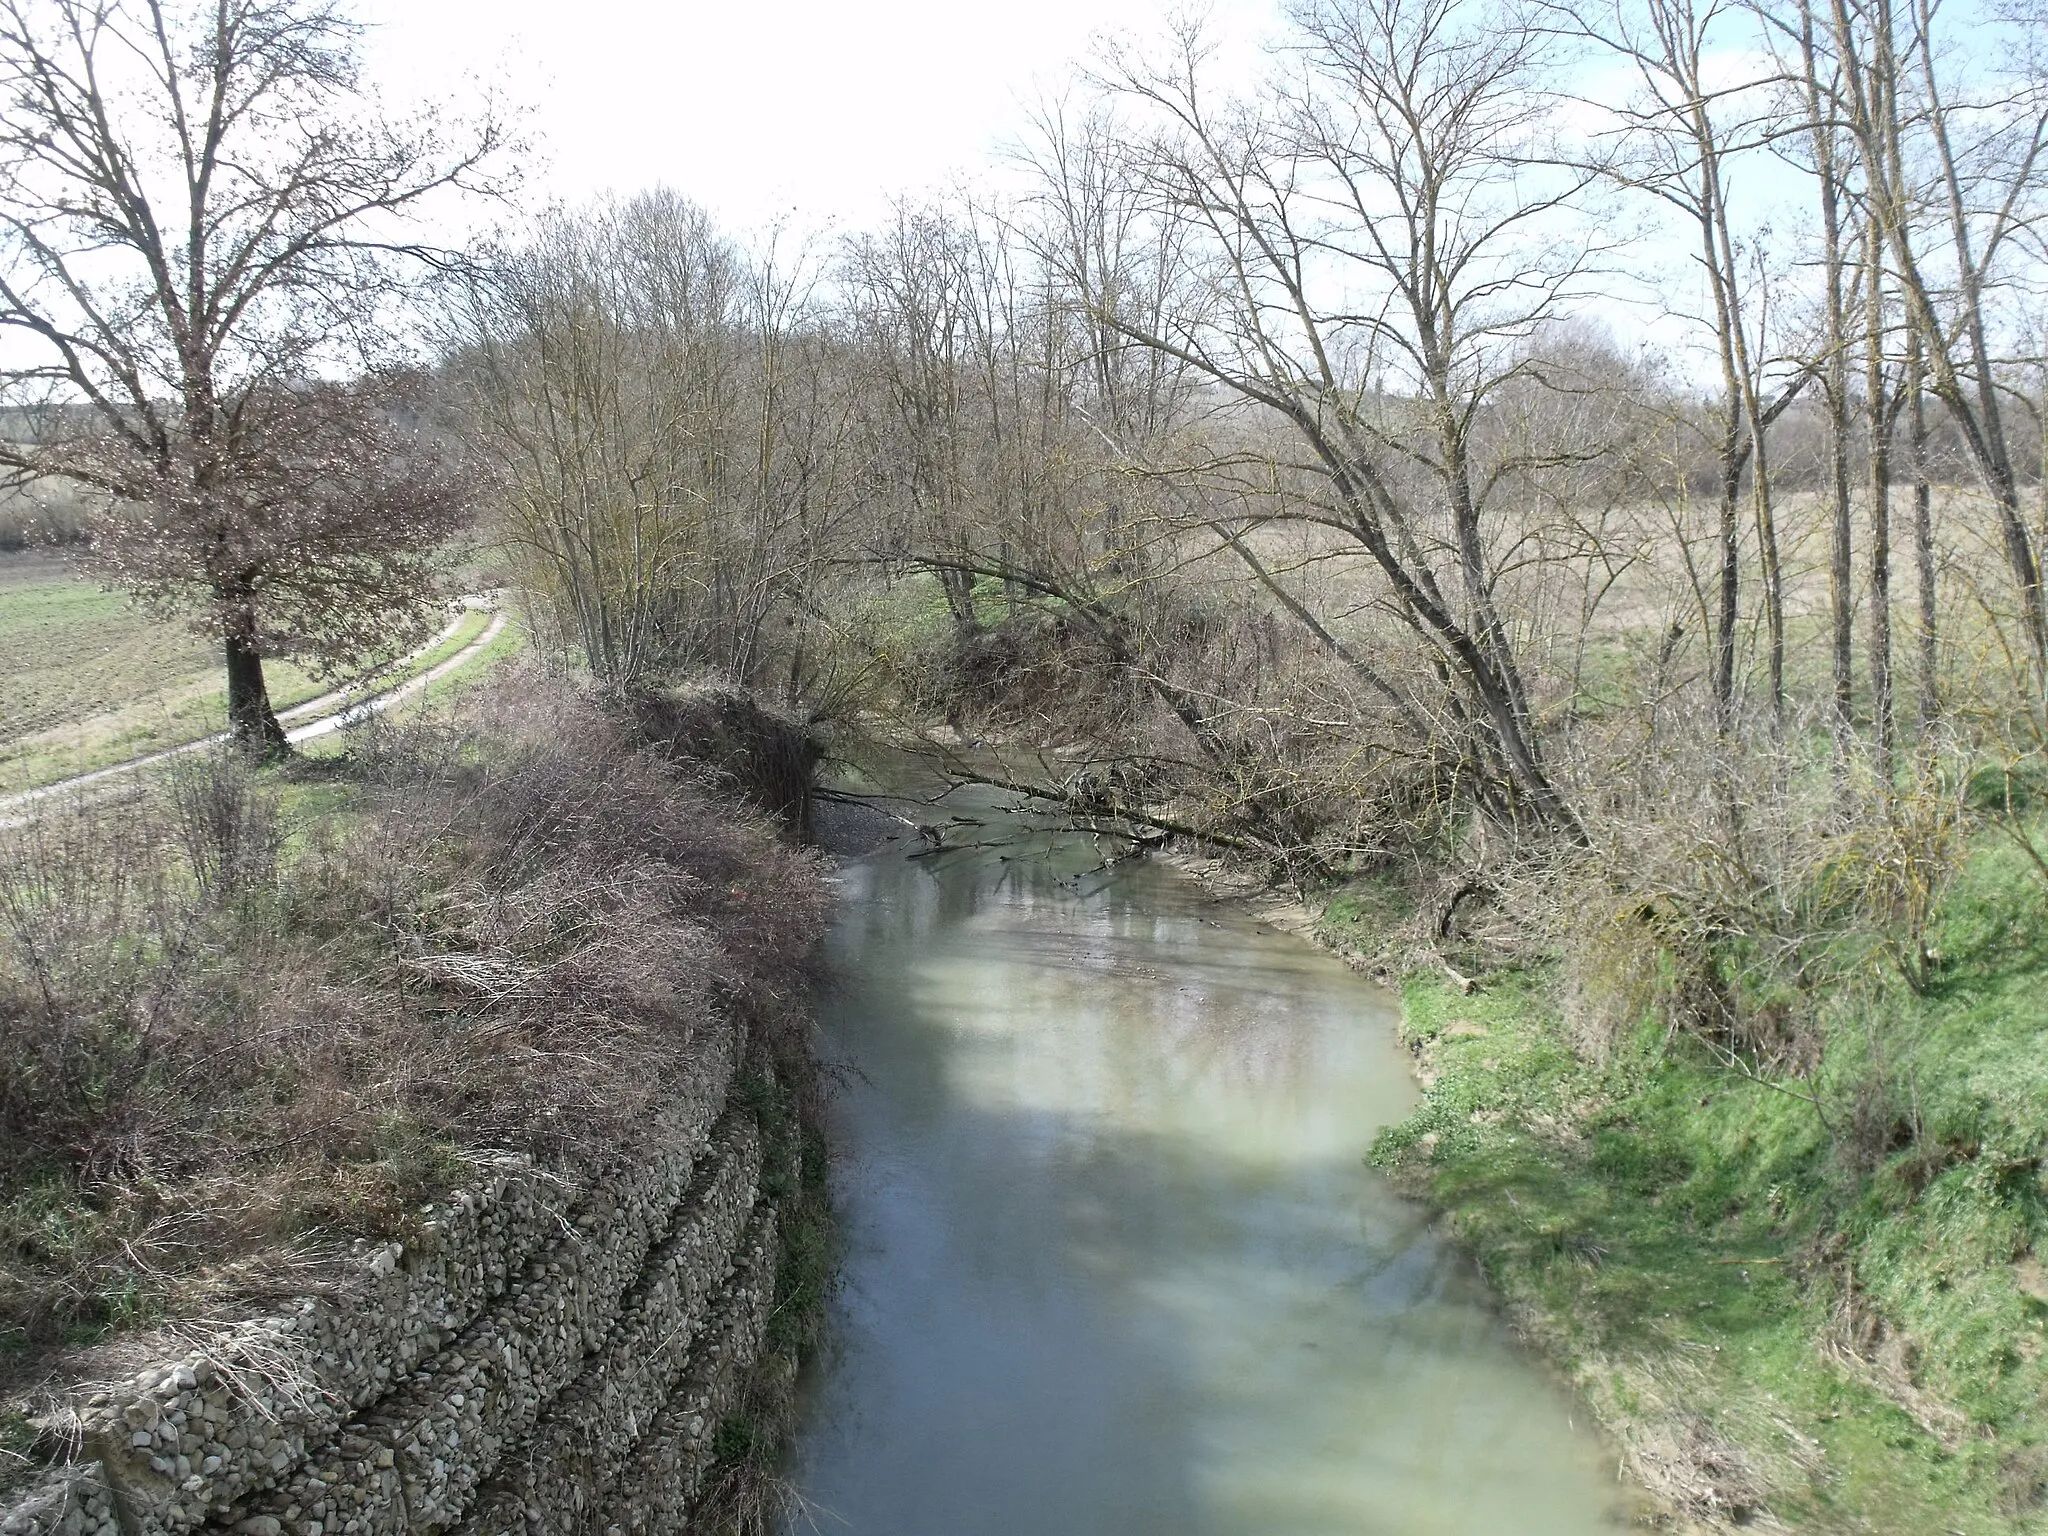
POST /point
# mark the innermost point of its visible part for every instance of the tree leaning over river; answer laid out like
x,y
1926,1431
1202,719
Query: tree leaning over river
x,y
1262,465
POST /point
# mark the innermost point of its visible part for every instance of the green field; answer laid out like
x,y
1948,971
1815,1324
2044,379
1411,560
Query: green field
x,y
444,692
87,679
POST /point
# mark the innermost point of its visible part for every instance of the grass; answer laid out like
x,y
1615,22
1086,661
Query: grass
x,y
1828,1310
471,623
511,641
441,694
88,680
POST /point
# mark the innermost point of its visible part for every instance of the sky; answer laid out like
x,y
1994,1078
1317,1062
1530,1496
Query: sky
x,y
809,112
808,115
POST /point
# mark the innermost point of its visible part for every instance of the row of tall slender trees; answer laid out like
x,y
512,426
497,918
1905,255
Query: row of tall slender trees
x,y
1448,417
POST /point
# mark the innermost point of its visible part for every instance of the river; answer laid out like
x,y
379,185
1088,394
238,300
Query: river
x,y
1114,1260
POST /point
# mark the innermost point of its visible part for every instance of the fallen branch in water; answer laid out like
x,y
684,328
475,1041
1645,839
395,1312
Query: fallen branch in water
x,y
1089,804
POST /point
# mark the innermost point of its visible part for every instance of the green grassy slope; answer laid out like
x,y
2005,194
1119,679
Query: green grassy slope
x,y
1813,1298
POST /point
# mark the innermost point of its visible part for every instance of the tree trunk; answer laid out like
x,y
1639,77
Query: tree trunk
x,y
958,588
1841,551
1878,408
1773,567
1834,382
251,721
1728,607
1923,559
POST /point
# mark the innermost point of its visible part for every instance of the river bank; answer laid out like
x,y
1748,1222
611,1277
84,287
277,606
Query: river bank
x,y
421,1136
1115,1259
1811,1314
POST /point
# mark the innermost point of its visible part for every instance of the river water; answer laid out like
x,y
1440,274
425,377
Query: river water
x,y
1113,1258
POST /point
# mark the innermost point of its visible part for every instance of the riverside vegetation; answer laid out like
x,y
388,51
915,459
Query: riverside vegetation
x,y
1285,467
1668,726
255,1016
1805,1298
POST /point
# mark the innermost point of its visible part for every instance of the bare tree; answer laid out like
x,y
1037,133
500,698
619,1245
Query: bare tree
x,y
1832,161
1382,241
908,302
669,439
1683,137
1928,646
1954,161
201,211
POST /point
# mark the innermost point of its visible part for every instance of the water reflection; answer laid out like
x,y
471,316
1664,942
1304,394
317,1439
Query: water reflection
x,y
1113,1258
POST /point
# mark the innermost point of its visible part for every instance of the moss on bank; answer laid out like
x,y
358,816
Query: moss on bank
x,y
745,1495
1812,1300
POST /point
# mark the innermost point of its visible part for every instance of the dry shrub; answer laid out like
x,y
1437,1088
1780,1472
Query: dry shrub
x,y
1734,901
1894,866
1035,669
1195,703
224,824
514,936
713,727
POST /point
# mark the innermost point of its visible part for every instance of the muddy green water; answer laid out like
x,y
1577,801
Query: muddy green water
x,y
1114,1260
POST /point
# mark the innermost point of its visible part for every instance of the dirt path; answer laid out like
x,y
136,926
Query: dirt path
x,y
318,717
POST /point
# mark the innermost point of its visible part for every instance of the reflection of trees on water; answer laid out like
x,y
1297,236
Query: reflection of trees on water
x,y
1106,1167
1202,1000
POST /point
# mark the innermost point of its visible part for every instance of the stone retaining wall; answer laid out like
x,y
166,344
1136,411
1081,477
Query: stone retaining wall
x,y
530,1353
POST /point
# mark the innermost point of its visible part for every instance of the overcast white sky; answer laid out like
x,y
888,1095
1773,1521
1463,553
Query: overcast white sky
x,y
812,110
808,113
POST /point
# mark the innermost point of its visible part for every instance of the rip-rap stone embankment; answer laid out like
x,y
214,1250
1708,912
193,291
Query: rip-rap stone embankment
x,y
533,1357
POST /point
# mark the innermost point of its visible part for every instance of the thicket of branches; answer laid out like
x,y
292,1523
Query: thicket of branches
x,y
1271,467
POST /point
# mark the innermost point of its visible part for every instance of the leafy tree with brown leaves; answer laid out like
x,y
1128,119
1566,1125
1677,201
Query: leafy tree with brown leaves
x,y
203,216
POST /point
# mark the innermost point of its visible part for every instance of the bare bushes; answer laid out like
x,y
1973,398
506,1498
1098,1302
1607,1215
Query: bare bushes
x,y
765,758
1184,703
223,823
1741,898
45,517
1035,665
227,1022
669,430
95,939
